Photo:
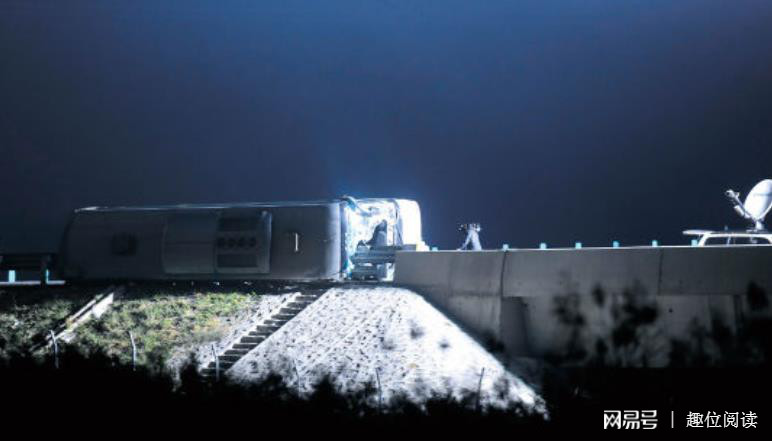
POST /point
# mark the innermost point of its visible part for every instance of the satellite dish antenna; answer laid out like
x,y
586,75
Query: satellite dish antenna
x,y
757,204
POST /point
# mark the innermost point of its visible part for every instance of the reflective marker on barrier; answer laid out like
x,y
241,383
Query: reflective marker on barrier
x,y
11,276
578,245
615,244
654,243
542,246
505,246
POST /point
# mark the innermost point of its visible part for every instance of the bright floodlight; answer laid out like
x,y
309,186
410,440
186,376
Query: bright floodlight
x,y
757,204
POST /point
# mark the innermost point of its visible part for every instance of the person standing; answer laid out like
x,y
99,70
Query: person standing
x,y
472,240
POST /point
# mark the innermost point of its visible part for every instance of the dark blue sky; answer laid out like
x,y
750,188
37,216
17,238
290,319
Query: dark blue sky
x,y
547,121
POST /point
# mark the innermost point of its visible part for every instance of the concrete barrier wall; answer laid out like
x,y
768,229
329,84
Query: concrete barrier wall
x,y
511,295
531,273
465,285
715,270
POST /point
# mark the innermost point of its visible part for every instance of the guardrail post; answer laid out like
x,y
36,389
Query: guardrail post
x,y
216,364
380,391
43,275
56,349
479,388
297,373
133,352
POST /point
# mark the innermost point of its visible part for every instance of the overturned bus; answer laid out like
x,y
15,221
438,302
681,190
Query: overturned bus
x,y
292,241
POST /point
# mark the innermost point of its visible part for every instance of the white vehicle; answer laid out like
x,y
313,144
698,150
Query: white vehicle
x,y
755,208
708,237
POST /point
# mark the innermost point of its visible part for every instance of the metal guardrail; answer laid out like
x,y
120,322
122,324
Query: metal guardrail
x,y
33,262
65,331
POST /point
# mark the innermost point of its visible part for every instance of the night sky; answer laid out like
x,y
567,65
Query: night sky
x,y
546,121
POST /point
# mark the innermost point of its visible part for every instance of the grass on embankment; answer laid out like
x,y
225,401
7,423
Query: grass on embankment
x,y
27,314
162,320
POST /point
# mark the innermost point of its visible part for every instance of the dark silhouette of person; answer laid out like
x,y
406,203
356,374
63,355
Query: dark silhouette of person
x,y
472,240
379,237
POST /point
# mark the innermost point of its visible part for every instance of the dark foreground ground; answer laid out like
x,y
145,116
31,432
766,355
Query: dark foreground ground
x,y
97,393
100,395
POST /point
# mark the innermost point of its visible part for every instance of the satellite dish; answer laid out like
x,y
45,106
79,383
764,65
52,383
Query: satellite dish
x,y
759,200
757,204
